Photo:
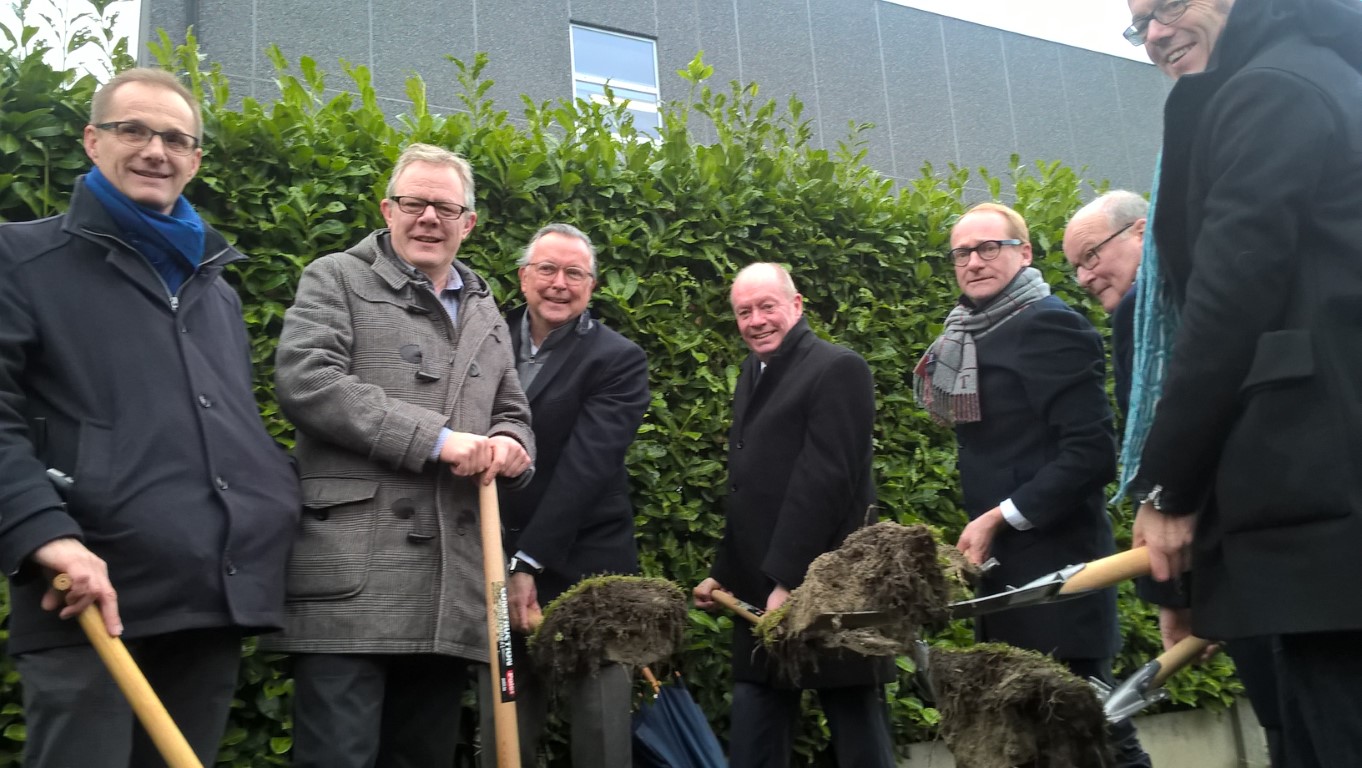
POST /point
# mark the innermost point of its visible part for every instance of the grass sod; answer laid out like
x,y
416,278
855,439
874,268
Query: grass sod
x,y
1004,707
632,620
884,567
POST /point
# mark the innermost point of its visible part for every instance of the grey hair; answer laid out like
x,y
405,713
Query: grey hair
x,y
429,153
559,228
1120,206
778,271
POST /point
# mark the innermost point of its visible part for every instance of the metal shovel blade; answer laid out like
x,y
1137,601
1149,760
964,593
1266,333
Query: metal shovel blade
x,y
1072,581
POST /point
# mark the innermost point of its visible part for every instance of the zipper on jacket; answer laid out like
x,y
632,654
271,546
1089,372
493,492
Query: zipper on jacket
x,y
172,298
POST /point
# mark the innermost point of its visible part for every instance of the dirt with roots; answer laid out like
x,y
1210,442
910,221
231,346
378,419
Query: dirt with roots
x,y
627,619
1003,707
884,567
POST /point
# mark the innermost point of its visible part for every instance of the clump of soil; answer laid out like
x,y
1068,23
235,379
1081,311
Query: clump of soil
x,y
962,576
885,567
627,619
1003,707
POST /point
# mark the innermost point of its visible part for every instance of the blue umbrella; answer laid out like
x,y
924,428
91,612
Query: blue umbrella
x,y
671,732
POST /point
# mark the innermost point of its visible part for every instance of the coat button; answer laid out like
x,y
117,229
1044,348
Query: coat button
x,y
733,487
221,483
420,538
740,445
403,509
205,402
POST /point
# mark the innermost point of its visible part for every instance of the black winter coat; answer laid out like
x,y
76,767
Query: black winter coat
x,y
145,400
575,517
799,472
1258,222
1046,442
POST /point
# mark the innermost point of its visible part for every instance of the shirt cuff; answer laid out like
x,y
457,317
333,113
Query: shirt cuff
x,y
1014,517
520,554
445,432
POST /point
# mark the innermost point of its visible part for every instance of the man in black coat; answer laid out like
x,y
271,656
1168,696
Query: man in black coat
x,y
1250,465
125,370
1020,376
588,390
800,480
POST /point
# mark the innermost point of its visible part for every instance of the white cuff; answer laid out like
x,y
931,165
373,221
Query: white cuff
x,y
1013,516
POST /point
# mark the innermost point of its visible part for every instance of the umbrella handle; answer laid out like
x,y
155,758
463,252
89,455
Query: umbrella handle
x,y
653,682
1108,571
727,600
150,711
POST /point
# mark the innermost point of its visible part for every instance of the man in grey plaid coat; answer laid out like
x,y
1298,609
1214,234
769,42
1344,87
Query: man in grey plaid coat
x,y
397,369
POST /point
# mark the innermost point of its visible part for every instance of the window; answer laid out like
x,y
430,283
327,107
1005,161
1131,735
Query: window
x,y
628,63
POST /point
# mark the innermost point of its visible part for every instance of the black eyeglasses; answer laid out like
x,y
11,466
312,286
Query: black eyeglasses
x,y
1092,257
138,135
547,270
418,205
988,251
1167,13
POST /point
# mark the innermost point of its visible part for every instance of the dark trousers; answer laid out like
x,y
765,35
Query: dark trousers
x,y
597,711
1255,661
376,710
1320,677
77,717
1125,743
764,722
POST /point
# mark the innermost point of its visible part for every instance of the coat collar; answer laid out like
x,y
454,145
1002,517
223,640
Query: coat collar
x,y
87,219
377,250
562,353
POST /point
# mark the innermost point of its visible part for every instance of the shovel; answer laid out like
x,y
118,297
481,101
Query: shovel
x,y
150,711
825,622
1145,687
1073,581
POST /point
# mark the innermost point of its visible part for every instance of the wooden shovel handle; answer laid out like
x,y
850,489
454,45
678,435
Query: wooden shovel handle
x,y
143,700
1109,571
1180,655
494,573
730,602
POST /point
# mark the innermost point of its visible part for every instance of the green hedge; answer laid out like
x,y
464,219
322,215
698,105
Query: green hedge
x,y
301,175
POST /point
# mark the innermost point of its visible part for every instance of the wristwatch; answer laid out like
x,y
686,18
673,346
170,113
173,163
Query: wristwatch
x,y
518,565
1154,498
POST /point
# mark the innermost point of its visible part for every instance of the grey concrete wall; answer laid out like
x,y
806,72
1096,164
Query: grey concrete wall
x,y
937,89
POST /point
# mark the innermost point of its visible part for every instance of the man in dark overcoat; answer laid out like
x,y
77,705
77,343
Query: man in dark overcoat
x,y
800,480
1250,465
1020,375
588,390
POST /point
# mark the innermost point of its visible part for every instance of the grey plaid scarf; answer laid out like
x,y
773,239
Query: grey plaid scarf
x,y
946,379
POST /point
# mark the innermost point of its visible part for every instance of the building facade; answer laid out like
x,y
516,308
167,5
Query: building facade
x,y
937,89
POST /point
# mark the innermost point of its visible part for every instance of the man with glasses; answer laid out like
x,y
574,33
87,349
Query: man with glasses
x,y
1020,377
132,453
398,371
1246,413
1102,243
588,389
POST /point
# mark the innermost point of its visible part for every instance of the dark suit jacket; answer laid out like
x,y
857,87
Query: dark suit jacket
x,y
1123,346
1258,222
575,517
1046,442
800,481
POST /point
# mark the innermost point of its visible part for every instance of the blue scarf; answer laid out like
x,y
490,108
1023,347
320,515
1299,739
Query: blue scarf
x,y
1156,322
173,244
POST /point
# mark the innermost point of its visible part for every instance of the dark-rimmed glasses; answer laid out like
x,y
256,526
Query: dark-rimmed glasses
x,y
137,135
1167,13
547,270
1090,258
988,250
416,206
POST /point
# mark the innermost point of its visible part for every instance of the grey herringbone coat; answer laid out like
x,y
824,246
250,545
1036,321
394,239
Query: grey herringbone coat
x,y
388,557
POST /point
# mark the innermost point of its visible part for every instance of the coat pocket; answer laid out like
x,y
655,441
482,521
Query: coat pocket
x,y
335,538
1284,461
